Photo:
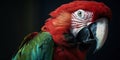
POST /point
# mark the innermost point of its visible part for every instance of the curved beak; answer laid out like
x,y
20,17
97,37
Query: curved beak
x,y
101,32
96,31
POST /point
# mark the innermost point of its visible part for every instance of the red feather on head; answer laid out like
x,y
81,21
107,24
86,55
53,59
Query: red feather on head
x,y
62,26
60,22
99,9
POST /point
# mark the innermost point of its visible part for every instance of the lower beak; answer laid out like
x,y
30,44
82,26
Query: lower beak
x,y
96,31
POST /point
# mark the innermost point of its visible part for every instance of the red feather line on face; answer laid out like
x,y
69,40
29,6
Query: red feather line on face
x,y
99,9
58,24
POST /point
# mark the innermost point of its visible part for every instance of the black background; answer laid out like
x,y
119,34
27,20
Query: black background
x,y
20,17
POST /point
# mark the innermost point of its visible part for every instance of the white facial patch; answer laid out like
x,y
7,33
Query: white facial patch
x,y
79,20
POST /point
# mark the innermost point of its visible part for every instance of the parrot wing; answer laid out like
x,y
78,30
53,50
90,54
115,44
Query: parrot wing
x,y
28,37
39,47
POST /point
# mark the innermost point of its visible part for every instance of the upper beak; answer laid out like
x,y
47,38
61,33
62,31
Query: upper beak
x,y
96,31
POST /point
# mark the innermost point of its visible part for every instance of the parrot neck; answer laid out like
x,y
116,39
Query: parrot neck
x,y
57,30
63,53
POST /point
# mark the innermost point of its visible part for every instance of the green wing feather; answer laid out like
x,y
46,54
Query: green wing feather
x,y
38,48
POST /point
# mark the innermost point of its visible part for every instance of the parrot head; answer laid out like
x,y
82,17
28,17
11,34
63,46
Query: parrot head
x,y
86,20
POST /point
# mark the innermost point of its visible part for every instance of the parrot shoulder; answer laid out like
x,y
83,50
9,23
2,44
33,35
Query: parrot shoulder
x,y
27,38
38,46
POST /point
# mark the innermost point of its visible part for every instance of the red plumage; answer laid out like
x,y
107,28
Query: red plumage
x,y
59,24
99,9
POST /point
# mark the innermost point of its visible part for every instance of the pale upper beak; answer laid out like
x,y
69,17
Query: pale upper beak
x,y
101,32
96,31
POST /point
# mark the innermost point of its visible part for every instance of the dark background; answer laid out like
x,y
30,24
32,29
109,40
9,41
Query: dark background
x,y
20,17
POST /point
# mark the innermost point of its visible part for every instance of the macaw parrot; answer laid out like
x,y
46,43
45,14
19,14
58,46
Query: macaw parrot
x,y
68,33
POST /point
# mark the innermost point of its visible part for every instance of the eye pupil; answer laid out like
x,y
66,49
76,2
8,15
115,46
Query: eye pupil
x,y
79,13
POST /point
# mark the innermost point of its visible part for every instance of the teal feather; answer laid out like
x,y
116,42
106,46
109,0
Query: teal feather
x,y
38,48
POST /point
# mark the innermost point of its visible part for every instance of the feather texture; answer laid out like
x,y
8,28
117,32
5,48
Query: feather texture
x,y
39,48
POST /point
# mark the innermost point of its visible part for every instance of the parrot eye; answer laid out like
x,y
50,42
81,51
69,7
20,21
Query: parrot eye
x,y
82,15
79,14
